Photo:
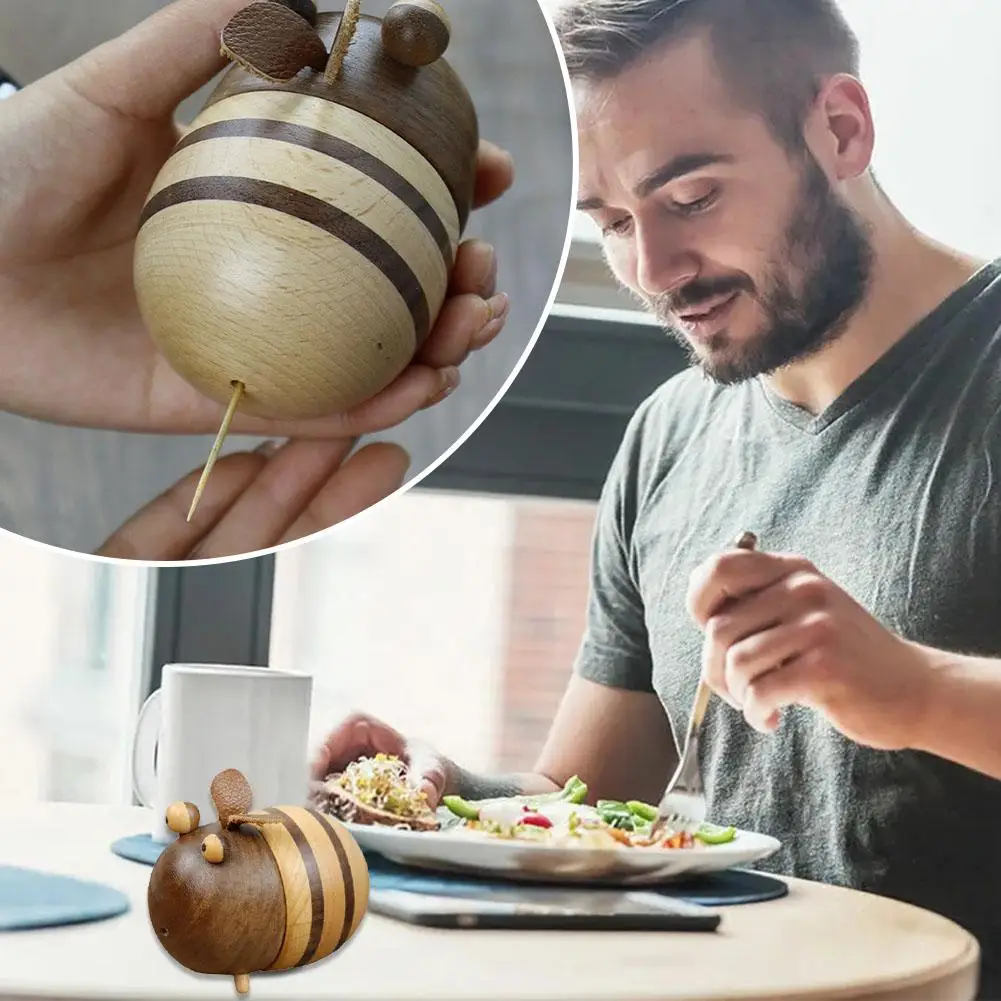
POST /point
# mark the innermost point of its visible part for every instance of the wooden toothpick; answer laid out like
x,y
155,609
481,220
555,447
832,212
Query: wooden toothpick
x,y
238,389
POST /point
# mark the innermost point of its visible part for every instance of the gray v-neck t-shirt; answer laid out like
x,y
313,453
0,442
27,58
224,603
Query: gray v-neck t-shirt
x,y
893,492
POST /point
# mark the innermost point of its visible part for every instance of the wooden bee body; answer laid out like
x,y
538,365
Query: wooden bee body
x,y
257,892
300,238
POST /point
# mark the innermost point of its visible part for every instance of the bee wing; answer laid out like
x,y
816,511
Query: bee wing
x,y
272,41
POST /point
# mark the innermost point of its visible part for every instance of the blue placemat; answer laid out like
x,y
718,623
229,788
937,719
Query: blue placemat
x,y
721,889
138,848
30,898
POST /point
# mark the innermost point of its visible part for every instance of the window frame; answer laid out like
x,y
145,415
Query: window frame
x,y
215,613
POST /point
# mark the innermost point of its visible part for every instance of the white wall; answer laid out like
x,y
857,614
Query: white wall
x,y
934,79
402,615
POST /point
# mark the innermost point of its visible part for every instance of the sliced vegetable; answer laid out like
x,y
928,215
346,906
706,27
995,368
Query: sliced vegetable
x,y
643,810
461,808
535,820
715,835
615,814
575,791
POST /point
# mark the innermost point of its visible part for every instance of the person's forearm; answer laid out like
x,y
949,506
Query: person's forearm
x,y
963,707
471,786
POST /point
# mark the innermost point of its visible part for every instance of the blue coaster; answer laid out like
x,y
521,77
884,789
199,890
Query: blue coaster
x,y
33,899
138,848
719,889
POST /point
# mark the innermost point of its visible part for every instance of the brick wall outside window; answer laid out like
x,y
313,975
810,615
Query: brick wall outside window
x,y
546,607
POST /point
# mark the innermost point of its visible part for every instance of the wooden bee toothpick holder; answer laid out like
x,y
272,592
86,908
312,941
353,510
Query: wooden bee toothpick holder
x,y
257,891
296,247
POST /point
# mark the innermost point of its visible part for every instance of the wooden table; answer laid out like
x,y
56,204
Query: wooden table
x,y
818,943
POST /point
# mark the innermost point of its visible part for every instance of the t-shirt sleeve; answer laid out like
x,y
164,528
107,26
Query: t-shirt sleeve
x,y
614,649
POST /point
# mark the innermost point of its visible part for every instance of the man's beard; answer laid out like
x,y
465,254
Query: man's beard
x,y
828,247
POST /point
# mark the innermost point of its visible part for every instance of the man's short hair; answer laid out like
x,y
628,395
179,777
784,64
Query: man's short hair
x,y
772,54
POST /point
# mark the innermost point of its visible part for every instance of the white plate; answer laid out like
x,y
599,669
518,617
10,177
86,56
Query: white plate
x,y
455,851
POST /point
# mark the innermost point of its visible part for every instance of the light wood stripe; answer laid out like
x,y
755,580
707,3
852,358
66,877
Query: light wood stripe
x,y
334,839
338,883
349,125
314,873
238,288
309,209
331,883
298,874
337,149
358,867
349,191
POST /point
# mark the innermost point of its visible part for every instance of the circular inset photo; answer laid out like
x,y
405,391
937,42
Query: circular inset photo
x,y
264,264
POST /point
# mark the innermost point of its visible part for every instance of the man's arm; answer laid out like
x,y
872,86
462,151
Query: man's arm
x,y
961,711
618,742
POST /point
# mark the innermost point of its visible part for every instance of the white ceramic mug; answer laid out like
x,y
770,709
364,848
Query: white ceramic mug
x,y
205,718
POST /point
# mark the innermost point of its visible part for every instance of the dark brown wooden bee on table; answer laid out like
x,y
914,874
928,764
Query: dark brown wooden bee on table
x,y
256,891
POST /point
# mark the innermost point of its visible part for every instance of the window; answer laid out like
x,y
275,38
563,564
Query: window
x,y
73,669
455,617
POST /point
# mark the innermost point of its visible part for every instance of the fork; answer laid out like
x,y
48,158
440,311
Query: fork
x,y
682,808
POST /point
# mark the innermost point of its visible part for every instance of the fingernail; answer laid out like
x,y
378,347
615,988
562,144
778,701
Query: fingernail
x,y
449,380
499,305
267,448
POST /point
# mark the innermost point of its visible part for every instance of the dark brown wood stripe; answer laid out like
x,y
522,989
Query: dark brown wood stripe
x,y
307,208
315,877
337,149
349,882
429,108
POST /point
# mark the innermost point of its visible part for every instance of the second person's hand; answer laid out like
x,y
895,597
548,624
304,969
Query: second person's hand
x,y
363,736
259,500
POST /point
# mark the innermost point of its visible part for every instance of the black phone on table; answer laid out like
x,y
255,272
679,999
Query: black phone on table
x,y
552,910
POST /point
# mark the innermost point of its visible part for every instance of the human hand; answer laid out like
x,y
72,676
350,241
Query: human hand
x,y
79,151
258,500
779,633
361,736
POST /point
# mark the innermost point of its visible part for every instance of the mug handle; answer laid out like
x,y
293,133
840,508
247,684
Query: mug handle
x,y
144,747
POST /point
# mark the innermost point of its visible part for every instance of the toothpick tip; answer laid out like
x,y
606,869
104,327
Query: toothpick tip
x,y
238,390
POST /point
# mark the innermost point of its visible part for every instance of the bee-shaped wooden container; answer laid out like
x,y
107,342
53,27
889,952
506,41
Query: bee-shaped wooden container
x,y
297,245
256,891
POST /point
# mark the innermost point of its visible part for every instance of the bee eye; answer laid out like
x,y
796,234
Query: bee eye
x,y
212,848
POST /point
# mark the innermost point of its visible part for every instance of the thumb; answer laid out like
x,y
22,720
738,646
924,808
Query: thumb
x,y
149,70
427,771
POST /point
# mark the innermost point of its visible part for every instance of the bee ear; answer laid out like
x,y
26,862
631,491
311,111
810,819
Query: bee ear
x,y
416,32
182,818
272,41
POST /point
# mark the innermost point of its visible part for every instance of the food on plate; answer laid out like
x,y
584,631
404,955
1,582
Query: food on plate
x,y
376,791
563,819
